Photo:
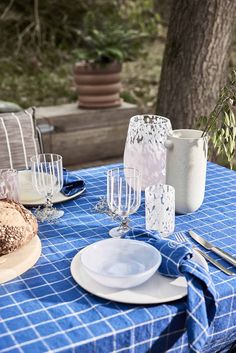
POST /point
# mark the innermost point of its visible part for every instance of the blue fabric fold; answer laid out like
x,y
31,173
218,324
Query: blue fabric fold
x,y
71,183
202,296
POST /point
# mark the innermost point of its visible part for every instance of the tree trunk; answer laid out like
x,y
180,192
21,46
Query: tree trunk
x,y
196,59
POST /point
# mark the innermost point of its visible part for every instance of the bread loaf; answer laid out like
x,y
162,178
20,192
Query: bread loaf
x,y
17,226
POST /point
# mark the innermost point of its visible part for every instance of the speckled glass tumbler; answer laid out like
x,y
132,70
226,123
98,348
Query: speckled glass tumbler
x,y
9,184
145,147
160,208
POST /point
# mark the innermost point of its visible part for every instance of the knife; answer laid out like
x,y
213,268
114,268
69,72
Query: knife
x,y
214,262
229,258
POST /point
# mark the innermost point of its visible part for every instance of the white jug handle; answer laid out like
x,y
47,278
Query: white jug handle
x,y
168,144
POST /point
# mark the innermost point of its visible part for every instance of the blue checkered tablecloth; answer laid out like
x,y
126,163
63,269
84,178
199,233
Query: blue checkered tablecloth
x,y
44,310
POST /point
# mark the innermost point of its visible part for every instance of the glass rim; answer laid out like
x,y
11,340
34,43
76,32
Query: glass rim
x,y
125,168
10,170
158,186
34,158
142,116
173,136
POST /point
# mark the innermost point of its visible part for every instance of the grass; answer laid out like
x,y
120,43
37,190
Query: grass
x,y
141,78
37,82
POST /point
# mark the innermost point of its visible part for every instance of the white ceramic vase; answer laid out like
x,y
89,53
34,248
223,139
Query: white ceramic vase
x,y
145,150
186,168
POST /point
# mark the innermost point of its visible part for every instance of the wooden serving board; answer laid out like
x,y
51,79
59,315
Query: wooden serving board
x,y
14,264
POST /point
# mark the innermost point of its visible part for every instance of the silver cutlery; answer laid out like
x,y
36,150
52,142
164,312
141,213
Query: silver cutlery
x,y
180,237
229,258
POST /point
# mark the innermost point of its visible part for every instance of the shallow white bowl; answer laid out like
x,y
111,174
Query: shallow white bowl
x,y
120,263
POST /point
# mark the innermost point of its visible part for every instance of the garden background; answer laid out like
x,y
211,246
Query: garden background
x,y
40,41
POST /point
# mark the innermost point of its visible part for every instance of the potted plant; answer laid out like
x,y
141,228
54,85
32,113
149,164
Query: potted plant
x,y
105,44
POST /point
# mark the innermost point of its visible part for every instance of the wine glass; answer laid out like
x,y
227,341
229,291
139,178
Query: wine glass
x,y
47,179
123,196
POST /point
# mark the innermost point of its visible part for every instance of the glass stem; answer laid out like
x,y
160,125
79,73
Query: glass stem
x,y
48,202
124,224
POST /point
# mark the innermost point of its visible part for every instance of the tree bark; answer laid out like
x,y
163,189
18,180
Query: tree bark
x,y
196,59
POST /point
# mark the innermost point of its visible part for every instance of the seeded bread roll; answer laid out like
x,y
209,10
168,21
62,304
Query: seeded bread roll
x,y
17,226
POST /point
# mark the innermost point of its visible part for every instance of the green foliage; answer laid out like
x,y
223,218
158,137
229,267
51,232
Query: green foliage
x,y
104,39
44,25
112,43
141,14
39,25
38,39
220,125
37,82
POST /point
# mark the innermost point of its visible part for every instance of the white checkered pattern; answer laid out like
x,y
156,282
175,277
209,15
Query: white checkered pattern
x,y
44,310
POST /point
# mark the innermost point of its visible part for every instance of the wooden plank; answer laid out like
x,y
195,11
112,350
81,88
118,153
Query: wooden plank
x,y
96,163
90,145
85,135
67,117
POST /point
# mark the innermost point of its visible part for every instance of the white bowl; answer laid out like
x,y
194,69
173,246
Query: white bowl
x,y
120,263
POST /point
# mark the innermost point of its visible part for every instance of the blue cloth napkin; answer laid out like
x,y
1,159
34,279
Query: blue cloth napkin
x,y
71,183
202,296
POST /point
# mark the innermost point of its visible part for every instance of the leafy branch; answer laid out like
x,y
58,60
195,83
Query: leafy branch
x,y
220,125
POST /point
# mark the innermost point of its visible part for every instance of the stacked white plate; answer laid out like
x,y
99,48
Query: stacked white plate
x,y
125,271
30,197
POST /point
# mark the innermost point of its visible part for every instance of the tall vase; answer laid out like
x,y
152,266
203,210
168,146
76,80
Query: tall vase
x,y
145,149
186,168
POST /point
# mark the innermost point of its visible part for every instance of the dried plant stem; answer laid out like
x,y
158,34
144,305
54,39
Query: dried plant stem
x,y
227,94
214,116
7,9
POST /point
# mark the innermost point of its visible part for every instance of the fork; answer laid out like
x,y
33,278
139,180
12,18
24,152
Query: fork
x,y
181,238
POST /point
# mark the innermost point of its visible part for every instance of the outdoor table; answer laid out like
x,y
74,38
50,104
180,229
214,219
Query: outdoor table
x,y
45,310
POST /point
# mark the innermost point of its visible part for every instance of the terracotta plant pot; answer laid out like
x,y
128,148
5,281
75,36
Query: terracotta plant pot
x,y
98,86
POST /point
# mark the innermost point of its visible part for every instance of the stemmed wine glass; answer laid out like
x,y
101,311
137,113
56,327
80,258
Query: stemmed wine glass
x,y
47,179
123,196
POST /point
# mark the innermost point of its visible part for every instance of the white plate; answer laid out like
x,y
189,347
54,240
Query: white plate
x,y
14,264
158,289
30,197
56,199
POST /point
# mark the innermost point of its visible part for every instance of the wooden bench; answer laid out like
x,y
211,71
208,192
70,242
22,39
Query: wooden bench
x,y
81,135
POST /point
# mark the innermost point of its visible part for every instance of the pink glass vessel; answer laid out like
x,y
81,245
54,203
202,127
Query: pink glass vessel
x,y
145,150
9,184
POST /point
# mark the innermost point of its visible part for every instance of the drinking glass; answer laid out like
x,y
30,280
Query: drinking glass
x,y
160,208
123,196
9,184
47,179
